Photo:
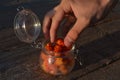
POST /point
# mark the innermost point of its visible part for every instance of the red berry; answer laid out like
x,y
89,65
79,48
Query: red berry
x,y
60,42
57,48
49,47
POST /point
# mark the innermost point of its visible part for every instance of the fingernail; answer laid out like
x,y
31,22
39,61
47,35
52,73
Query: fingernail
x,y
68,42
52,40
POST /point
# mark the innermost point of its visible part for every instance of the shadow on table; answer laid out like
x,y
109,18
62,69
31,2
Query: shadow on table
x,y
99,52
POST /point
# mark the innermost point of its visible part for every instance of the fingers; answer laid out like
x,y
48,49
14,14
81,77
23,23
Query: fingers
x,y
56,19
73,34
51,23
47,23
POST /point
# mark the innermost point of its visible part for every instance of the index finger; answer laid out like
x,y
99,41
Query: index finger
x,y
47,23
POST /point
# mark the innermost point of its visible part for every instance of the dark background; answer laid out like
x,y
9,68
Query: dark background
x,y
8,9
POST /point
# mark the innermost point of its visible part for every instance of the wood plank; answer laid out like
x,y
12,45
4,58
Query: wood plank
x,y
19,61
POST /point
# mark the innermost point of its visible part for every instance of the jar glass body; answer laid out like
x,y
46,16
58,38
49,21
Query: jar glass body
x,y
57,63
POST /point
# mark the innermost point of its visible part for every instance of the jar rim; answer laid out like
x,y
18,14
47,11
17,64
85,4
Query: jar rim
x,y
47,52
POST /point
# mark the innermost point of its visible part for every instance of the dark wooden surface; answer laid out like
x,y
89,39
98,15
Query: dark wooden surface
x,y
99,51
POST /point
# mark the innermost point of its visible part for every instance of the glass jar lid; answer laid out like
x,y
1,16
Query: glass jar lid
x,y
27,26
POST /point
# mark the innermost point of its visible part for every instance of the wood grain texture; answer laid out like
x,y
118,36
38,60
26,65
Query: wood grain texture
x,y
99,47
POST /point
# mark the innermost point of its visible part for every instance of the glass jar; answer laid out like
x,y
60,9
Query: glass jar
x,y
57,63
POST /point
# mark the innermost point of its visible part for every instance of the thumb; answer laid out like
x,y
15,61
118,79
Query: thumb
x,y
74,32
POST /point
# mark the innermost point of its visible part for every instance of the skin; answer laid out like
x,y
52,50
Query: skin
x,y
83,11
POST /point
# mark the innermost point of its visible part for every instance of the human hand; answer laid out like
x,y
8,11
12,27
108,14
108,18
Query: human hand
x,y
83,10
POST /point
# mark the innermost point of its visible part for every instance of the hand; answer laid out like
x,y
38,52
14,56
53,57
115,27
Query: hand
x,y
83,10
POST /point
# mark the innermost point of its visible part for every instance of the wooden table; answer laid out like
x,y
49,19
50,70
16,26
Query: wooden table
x,y
99,51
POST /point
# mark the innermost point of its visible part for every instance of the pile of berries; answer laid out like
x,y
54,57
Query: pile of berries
x,y
58,46
60,61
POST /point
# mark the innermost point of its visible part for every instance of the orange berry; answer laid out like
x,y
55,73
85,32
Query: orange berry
x,y
49,47
59,61
43,56
63,69
60,42
57,48
45,66
52,69
49,68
